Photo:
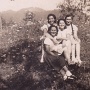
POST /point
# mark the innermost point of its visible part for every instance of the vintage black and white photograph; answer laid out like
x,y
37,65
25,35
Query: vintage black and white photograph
x,y
44,44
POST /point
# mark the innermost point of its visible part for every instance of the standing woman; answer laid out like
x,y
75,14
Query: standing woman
x,y
54,58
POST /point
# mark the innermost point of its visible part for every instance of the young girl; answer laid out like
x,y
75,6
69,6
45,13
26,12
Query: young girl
x,y
63,37
75,41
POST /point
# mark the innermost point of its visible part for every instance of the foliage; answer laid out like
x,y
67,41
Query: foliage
x,y
71,7
20,67
3,21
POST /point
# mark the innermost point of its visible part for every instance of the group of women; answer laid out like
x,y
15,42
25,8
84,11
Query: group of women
x,y
61,44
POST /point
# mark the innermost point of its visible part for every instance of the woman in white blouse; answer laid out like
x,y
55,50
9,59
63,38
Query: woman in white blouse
x,y
54,57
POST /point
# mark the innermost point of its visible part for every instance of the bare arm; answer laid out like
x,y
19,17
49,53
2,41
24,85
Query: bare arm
x,y
68,36
49,36
61,38
49,50
76,36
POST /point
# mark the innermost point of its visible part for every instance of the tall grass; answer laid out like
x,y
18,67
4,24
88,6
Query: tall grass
x,y
20,66
12,36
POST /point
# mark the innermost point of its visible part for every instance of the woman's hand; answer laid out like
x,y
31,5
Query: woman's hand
x,y
55,41
78,40
61,38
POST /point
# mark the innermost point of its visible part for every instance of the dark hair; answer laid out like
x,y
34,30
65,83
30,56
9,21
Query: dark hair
x,y
53,17
49,29
69,15
61,19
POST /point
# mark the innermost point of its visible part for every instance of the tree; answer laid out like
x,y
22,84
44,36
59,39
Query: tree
x,y
72,6
3,22
11,22
0,23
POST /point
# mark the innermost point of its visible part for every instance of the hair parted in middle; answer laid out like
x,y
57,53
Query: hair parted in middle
x,y
49,29
53,17
61,19
69,15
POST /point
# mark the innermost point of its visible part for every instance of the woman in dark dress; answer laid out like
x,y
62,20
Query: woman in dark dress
x,y
53,58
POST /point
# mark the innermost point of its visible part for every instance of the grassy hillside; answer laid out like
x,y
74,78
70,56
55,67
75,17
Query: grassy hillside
x,y
20,67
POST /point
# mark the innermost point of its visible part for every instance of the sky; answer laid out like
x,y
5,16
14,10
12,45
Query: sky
x,y
19,4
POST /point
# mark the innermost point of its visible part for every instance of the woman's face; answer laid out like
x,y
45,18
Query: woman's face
x,y
51,20
61,24
53,31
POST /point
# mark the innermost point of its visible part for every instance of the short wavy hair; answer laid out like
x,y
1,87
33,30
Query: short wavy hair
x,y
61,19
49,29
69,15
53,17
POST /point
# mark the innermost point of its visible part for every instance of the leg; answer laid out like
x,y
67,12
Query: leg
x,y
66,73
42,56
78,52
63,73
67,57
68,45
42,59
73,53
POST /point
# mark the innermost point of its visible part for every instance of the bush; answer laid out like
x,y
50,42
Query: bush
x,y
20,67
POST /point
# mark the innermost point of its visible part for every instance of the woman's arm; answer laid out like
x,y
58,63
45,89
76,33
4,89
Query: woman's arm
x,y
49,50
61,38
46,34
53,39
68,36
75,36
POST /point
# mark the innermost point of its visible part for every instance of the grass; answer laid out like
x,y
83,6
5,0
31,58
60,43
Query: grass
x,y
20,67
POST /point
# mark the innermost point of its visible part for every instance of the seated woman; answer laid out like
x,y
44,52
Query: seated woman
x,y
51,21
75,41
63,37
54,57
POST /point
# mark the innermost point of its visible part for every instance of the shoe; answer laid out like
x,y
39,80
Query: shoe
x,y
65,77
69,78
75,60
71,63
79,62
72,77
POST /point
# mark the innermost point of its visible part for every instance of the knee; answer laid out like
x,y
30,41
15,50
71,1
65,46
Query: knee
x,y
79,41
73,46
68,42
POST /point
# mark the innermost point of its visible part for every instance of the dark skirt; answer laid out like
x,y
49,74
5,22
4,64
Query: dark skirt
x,y
55,62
